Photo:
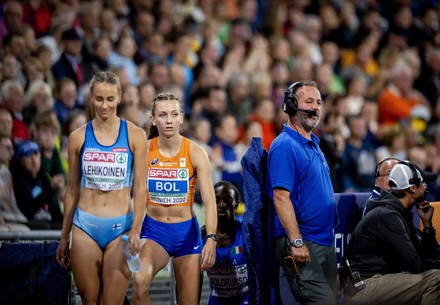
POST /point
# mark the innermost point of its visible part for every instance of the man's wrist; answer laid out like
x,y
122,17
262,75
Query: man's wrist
x,y
429,230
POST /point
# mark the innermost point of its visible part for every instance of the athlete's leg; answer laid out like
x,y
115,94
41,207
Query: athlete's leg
x,y
86,263
154,258
187,270
115,274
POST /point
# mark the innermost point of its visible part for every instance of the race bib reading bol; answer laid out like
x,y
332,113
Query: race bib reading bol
x,y
168,186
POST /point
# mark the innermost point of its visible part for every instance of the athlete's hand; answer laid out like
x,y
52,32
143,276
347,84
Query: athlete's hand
x,y
63,257
135,242
208,254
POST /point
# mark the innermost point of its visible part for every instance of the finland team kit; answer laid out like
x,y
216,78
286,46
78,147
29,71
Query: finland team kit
x,y
105,170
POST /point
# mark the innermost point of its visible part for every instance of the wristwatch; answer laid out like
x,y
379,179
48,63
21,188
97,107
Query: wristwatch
x,y
297,243
429,230
213,237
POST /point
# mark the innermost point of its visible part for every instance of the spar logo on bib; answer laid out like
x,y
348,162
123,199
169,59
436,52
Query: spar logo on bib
x,y
183,173
121,158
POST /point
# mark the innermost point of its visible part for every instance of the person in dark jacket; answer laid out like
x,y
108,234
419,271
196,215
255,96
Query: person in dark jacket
x,y
35,196
396,265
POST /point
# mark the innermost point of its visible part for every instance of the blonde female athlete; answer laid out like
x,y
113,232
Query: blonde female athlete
x,y
106,163
170,227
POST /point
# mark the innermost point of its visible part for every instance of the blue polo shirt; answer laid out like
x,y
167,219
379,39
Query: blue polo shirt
x,y
299,166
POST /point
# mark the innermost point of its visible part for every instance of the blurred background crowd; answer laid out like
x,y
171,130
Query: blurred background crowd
x,y
376,62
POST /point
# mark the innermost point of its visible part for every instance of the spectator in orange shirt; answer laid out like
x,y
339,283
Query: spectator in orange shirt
x,y
397,100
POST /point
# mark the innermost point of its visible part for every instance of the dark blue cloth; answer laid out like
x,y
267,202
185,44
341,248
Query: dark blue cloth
x,y
262,269
17,263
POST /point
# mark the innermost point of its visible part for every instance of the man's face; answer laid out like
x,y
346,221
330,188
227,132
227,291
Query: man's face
x,y
32,163
384,171
309,98
419,194
6,150
6,122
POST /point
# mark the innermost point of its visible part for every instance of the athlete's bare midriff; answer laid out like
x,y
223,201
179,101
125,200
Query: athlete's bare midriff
x,y
170,214
106,204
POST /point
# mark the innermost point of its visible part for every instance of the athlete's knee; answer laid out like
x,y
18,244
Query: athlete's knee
x,y
141,284
89,300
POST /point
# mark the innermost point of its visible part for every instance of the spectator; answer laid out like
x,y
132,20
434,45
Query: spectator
x,y
239,101
264,113
11,67
381,174
33,70
66,98
69,64
98,61
225,154
398,98
12,98
393,145
5,121
397,266
228,278
358,160
32,189
44,53
38,99
46,132
123,56
12,17
428,82
11,218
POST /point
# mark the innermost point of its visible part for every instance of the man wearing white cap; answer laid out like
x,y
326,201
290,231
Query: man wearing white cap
x,y
389,262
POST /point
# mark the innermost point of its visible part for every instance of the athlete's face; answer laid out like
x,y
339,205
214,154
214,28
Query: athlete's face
x,y
167,117
105,99
226,203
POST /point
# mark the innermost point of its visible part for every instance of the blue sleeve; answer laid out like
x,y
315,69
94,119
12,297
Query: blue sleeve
x,y
282,167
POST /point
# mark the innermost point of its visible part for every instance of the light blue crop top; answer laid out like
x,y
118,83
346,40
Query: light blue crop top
x,y
106,168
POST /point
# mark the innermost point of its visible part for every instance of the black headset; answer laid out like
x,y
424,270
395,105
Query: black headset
x,y
415,179
290,104
378,166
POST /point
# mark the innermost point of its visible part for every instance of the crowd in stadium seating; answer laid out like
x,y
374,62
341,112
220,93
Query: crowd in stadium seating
x,y
377,65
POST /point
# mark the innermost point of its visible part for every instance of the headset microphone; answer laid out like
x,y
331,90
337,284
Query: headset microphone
x,y
309,112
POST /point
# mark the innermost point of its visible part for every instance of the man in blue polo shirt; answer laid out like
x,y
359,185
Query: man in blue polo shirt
x,y
302,192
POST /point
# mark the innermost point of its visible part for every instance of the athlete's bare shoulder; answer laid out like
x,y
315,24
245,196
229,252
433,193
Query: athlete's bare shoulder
x,y
136,134
77,137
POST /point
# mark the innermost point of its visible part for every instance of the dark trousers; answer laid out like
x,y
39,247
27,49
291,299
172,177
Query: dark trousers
x,y
315,283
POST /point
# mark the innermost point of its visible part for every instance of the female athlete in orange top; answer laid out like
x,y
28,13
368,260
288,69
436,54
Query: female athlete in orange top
x,y
170,228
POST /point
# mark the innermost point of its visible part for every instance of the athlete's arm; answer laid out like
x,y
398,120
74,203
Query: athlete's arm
x,y
72,193
200,160
138,139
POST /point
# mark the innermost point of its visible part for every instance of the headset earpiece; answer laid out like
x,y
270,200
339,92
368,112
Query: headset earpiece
x,y
290,104
379,165
415,177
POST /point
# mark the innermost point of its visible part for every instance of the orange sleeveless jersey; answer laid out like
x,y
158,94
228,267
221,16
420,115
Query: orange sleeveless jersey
x,y
170,181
